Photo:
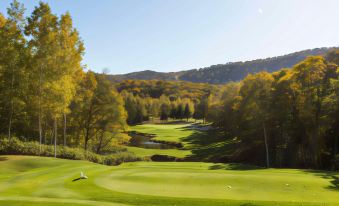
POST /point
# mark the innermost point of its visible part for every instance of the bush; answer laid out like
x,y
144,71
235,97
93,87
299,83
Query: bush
x,y
120,157
163,158
18,147
92,157
70,153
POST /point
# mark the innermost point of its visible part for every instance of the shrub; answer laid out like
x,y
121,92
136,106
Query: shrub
x,y
71,153
120,157
18,147
163,158
92,157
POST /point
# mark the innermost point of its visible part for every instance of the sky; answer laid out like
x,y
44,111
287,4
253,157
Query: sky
x,y
124,36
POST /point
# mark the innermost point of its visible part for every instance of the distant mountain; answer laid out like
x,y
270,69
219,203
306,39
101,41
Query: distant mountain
x,y
222,73
148,75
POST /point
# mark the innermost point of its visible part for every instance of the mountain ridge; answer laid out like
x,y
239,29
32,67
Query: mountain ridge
x,y
223,73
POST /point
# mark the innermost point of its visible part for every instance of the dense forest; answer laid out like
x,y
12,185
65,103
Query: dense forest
x,y
286,118
145,100
289,117
223,73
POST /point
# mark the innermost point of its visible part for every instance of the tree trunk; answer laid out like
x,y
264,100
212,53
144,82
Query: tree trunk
x,y
316,136
10,120
86,137
12,106
40,132
65,126
335,152
88,123
40,93
100,144
44,132
55,136
304,157
266,147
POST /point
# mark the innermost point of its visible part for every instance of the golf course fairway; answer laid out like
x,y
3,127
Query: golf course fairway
x,y
26,180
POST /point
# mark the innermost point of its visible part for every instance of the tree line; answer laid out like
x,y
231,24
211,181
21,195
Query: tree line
x,y
176,100
141,109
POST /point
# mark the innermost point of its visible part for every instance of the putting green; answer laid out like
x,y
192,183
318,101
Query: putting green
x,y
28,180
196,180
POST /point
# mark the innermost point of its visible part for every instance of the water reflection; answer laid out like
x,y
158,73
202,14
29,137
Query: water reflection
x,y
144,141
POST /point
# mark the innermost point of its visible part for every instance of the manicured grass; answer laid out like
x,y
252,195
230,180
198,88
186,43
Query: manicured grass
x,y
47,181
142,152
166,132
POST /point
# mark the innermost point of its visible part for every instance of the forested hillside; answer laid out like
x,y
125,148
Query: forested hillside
x,y
147,75
222,73
175,89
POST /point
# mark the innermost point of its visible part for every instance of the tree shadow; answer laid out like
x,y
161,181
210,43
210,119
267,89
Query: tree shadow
x,y
3,159
214,146
234,166
332,176
173,122
210,145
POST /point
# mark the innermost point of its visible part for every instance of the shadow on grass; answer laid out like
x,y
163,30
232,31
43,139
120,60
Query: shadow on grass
x,y
213,146
173,122
210,145
333,177
3,159
234,166
77,179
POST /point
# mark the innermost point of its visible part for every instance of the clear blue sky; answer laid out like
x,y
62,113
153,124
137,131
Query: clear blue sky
x,y
162,35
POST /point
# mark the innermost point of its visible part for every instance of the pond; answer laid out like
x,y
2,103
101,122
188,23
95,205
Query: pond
x,y
145,141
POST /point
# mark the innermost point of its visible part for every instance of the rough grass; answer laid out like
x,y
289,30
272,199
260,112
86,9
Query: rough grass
x,y
47,181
